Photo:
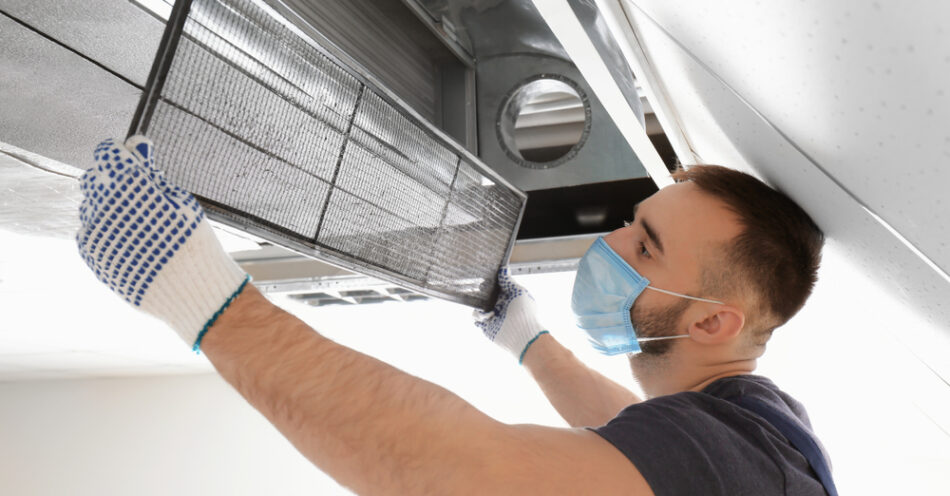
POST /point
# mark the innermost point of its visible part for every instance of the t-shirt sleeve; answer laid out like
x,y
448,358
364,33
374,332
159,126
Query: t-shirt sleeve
x,y
688,444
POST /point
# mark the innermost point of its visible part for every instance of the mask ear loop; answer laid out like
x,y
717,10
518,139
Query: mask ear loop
x,y
685,296
660,338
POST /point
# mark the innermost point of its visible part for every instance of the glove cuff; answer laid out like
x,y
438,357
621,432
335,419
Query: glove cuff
x,y
520,327
196,285
531,342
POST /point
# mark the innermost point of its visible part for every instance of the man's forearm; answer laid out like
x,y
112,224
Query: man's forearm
x,y
582,396
360,420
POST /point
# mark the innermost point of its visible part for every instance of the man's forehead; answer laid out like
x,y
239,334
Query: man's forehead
x,y
675,196
685,213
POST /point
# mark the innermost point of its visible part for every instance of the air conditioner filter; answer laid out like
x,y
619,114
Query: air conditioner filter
x,y
277,137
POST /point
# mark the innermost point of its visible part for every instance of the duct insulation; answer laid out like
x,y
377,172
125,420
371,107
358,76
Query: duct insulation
x,y
277,137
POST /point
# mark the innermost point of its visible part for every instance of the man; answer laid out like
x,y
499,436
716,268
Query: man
x,y
708,310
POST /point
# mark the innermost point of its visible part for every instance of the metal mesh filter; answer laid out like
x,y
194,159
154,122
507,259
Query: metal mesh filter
x,y
275,136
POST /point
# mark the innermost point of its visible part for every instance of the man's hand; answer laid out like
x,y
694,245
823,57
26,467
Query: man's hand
x,y
513,322
149,241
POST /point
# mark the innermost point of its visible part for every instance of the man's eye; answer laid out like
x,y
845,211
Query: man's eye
x,y
643,251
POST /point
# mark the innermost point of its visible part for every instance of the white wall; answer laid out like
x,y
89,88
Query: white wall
x,y
194,435
181,435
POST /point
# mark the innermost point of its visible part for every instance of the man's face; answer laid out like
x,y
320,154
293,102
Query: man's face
x,y
669,239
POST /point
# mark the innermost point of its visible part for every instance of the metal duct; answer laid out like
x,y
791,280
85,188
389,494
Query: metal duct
x,y
514,50
278,138
391,43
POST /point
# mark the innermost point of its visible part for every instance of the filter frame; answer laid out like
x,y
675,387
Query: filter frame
x,y
275,233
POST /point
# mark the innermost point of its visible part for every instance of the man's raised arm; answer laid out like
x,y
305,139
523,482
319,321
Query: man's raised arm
x,y
583,396
378,430
370,426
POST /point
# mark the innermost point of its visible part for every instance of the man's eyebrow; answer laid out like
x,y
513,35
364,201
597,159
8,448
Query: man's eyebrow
x,y
652,235
649,230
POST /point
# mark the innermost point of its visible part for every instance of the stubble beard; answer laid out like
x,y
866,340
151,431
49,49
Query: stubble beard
x,y
653,358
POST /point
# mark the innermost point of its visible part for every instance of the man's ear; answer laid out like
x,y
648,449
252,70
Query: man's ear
x,y
722,324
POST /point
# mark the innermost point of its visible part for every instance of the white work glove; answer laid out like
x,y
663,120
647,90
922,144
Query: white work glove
x,y
149,241
513,323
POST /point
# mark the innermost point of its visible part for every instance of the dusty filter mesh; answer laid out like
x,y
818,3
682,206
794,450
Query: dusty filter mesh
x,y
278,138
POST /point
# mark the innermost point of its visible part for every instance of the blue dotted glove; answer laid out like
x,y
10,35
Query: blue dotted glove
x,y
513,322
149,241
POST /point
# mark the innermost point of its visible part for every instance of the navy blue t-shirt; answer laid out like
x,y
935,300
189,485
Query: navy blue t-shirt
x,y
700,443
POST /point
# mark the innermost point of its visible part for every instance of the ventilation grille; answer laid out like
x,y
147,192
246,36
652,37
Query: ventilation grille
x,y
276,137
377,293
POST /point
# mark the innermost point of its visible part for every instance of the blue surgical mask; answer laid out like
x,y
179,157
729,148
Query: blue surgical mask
x,y
605,289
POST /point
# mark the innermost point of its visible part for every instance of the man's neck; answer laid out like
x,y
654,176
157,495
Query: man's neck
x,y
675,373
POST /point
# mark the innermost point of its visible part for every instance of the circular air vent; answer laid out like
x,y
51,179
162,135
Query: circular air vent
x,y
543,121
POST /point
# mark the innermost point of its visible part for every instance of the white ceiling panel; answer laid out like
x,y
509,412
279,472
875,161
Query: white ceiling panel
x,y
858,87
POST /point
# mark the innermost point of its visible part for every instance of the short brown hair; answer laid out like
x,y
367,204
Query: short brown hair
x,y
774,259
